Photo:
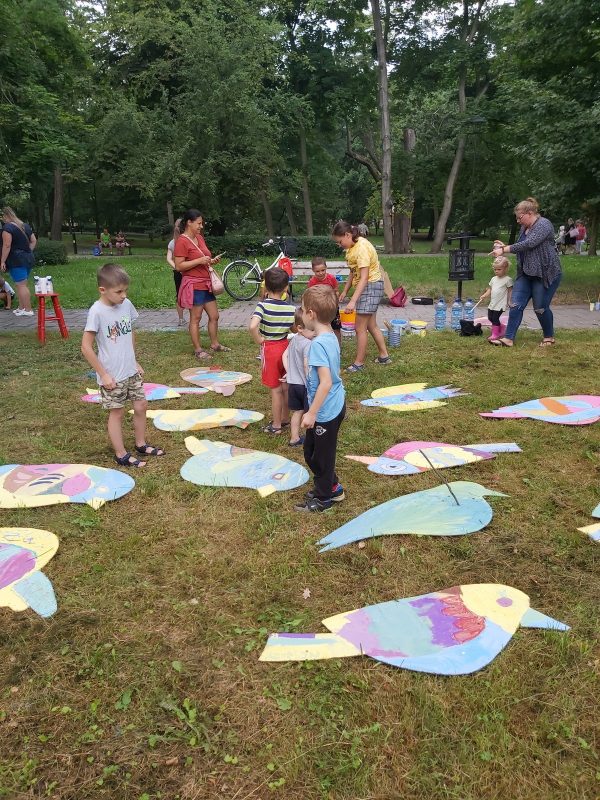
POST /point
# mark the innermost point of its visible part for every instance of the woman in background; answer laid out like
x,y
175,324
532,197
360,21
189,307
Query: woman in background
x,y
18,244
177,276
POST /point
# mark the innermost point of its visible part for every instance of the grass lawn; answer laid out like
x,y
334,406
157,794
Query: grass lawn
x,y
146,684
152,281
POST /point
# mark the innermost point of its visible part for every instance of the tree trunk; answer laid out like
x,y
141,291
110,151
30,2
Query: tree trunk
x,y
404,224
305,188
289,212
593,236
386,139
96,214
268,216
170,216
440,231
512,230
57,208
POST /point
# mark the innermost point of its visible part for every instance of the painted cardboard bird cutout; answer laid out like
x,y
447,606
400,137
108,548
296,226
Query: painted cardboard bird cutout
x,y
201,419
411,397
216,379
454,631
440,511
410,458
23,554
222,464
152,391
574,409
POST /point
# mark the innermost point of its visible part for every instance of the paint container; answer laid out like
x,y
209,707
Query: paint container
x,y
592,306
418,327
395,333
348,320
340,278
402,324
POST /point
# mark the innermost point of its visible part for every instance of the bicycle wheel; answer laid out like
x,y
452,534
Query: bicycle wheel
x,y
241,279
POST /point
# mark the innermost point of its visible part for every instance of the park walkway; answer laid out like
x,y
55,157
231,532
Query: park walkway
x,y
237,317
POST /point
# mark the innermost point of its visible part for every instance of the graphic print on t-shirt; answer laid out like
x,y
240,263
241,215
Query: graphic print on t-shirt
x,y
119,328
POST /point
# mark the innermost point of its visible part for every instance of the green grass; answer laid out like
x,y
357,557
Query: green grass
x,y
152,281
146,683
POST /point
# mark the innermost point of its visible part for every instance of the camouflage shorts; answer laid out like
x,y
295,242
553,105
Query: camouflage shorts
x,y
129,389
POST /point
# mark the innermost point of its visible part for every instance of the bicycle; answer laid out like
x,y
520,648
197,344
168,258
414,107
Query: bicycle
x,y
242,278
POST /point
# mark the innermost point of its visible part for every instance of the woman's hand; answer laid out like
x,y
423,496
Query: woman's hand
x,y
215,260
3,267
351,305
205,261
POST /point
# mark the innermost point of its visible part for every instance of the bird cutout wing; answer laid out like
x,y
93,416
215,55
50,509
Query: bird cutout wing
x,y
577,409
222,464
454,631
23,553
198,419
431,512
34,485
411,397
410,458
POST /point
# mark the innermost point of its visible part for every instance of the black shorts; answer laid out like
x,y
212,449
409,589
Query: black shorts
x,y
494,316
297,397
177,277
337,322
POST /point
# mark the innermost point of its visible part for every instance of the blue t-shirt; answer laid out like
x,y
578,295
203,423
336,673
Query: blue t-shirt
x,y
20,254
325,352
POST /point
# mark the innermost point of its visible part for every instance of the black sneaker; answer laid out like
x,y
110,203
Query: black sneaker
x,y
314,504
337,494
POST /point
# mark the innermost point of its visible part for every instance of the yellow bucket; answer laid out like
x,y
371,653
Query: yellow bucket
x,y
418,327
348,319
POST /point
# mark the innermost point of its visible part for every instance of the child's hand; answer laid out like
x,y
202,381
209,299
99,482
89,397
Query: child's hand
x,y
308,420
139,369
108,381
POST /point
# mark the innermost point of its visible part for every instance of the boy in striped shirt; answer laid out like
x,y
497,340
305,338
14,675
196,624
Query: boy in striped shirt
x,y
269,327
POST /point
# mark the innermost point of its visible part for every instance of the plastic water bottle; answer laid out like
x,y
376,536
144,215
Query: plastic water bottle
x,y
456,315
36,279
440,314
49,287
469,310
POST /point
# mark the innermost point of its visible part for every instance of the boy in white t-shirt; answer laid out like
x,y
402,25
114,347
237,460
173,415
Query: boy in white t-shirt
x,y
499,292
110,324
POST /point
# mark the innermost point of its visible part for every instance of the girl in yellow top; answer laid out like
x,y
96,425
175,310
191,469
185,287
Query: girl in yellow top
x,y
367,280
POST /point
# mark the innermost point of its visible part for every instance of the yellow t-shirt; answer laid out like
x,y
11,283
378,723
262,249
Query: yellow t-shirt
x,y
363,254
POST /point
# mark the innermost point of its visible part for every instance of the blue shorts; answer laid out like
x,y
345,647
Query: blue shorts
x,y
19,274
203,296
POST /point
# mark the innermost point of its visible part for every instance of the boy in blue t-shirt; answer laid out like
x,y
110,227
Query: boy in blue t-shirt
x,y
326,398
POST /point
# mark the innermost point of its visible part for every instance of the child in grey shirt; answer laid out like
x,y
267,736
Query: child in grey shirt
x,y
295,361
110,325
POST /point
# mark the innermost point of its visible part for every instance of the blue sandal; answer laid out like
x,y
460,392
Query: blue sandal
x,y
149,450
129,461
355,368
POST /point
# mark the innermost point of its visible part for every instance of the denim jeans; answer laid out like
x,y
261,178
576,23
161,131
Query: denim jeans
x,y
525,289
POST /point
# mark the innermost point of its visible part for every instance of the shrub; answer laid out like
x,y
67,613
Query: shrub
x,y
306,246
48,252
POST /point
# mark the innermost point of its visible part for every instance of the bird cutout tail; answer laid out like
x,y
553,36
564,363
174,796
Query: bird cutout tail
x,y
535,619
36,590
363,459
195,446
226,389
496,447
265,491
593,531
448,391
95,502
306,647
151,413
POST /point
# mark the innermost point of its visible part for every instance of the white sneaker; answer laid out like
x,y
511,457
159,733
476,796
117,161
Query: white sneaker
x,y
18,312
26,313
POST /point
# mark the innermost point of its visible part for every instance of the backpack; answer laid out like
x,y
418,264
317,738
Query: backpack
x,y
468,328
398,299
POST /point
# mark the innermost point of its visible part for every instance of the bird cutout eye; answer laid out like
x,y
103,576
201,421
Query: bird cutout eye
x,y
504,602
278,476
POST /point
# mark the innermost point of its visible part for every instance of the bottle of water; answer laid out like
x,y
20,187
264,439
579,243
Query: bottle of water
x,y
469,310
36,279
456,315
49,287
440,314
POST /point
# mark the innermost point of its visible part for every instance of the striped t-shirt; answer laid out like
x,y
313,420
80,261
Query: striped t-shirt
x,y
276,318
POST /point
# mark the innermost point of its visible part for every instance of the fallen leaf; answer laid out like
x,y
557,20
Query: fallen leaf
x,y
361,545
171,762
25,372
306,593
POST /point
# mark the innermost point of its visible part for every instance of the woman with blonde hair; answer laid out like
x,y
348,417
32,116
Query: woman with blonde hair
x,y
538,271
18,243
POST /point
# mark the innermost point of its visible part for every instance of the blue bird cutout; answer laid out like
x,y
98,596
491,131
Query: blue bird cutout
x,y
432,512
454,631
411,397
593,531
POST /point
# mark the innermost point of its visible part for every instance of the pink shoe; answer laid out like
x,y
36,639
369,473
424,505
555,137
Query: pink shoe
x,y
502,330
496,333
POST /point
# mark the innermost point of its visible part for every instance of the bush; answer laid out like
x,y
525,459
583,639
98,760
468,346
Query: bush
x,y
306,246
49,253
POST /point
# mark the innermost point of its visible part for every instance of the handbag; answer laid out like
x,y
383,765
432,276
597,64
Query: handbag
x,y
216,284
398,298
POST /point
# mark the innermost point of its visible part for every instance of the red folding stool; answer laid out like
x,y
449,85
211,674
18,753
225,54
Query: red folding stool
x,y
42,319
